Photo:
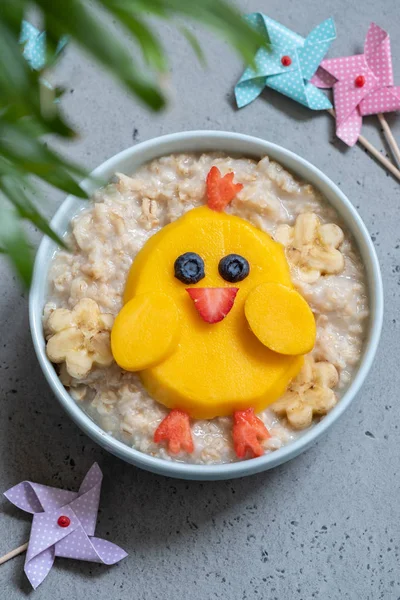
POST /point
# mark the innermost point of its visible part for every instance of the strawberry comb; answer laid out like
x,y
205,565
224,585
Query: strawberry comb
x,y
220,190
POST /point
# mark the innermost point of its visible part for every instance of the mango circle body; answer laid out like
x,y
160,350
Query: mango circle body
x,y
210,370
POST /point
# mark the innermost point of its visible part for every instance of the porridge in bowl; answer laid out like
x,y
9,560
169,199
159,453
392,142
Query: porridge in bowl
x,y
131,400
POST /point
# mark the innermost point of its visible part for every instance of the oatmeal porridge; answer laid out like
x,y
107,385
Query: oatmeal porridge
x,y
86,289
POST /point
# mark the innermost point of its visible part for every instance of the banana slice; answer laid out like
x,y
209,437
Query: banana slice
x,y
310,394
312,247
80,338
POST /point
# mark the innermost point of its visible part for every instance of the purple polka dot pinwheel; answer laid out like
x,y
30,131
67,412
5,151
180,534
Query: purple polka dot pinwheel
x,y
63,525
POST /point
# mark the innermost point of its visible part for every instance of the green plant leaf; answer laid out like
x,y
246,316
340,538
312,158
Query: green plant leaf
x,y
15,75
74,19
20,88
12,13
27,107
194,42
15,244
19,197
159,8
54,45
152,49
222,16
20,146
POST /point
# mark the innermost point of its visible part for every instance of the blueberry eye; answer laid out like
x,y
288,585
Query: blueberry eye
x,y
233,268
189,267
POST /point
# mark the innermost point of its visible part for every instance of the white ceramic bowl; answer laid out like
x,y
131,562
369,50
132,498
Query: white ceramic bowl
x,y
234,143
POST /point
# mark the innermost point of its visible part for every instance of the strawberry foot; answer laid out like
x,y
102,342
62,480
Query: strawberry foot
x,y
175,429
220,190
248,432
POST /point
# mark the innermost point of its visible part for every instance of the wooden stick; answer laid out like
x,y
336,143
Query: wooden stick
x,y
390,137
375,152
13,553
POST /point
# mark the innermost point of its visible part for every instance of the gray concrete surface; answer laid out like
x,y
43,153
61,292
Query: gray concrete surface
x,y
324,526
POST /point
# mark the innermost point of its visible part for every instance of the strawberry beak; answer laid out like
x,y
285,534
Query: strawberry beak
x,y
213,303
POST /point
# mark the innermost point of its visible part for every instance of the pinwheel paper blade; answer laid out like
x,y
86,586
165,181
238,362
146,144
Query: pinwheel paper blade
x,y
286,63
63,525
379,58
34,43
362,84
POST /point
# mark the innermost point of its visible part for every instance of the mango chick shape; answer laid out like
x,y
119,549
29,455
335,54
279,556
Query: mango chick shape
x,y
204,369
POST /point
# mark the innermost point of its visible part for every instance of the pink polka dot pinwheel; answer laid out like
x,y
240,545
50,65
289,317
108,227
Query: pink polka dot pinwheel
x,y
63,525
362,84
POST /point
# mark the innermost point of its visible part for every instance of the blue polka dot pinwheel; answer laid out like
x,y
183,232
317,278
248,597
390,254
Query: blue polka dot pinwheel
x,y
286,63
34,43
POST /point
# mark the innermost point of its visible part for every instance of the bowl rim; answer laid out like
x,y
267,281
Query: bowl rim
x,y
226,470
